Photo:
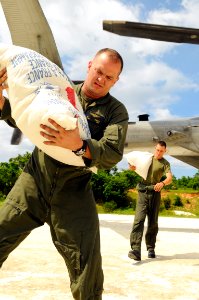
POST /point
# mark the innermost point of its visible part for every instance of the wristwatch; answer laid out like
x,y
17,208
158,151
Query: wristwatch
x,y
82,150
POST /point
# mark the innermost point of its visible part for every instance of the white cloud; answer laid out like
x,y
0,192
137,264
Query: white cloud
x,y
149,87
187,16
8,150
77,25
140,85
144,47
163,114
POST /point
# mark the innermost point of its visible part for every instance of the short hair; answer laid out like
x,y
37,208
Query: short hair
x,y
113,54
162,143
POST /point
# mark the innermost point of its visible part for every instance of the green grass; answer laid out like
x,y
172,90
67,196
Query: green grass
x,y
129,211
189,198
118,211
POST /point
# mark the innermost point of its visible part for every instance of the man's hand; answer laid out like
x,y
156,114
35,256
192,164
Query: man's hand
x,y
161,184
69,139
3,77
132,168
158,186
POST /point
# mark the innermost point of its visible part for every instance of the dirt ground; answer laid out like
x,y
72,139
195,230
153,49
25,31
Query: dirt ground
x,y
35,271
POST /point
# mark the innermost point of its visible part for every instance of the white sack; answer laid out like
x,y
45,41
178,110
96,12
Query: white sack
x,y
141,160
38,90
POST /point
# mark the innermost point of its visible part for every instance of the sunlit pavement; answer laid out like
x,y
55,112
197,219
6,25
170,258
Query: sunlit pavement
x,y
35,271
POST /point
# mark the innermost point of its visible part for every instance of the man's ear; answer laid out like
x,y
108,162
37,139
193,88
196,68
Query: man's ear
x,y
117,79
89,64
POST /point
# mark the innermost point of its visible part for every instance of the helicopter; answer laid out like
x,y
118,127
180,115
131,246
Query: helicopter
x,y
181,135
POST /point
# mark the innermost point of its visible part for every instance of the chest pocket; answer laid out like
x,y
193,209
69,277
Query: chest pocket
x,y
97,124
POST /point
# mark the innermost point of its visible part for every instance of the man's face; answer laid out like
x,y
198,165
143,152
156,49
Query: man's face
x,y
103,73
159,151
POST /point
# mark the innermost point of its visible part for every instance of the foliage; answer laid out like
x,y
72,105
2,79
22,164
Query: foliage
x,y
167,202
98,182
113,186
173,185
110,206
177,201
189,182
9,172
115,190
2,197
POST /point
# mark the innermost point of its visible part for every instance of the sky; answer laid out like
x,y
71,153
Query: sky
x,y
159,78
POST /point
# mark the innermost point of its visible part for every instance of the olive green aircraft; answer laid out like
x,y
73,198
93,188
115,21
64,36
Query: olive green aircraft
x,y
29,28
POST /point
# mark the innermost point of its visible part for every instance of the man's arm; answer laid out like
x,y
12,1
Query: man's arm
x,y
5,110
3,77
168,179
103,153
108,151
2,101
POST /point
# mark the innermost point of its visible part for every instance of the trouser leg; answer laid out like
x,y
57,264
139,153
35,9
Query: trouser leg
x,y
138,224
8,245
75,232
152,228
19,215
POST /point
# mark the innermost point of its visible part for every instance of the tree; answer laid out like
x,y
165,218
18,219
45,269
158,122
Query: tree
x,y
10,171
116,190
98,182
194,182
109,186
183,181
113,185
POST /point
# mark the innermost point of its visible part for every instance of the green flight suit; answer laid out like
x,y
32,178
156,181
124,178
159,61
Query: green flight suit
x,y
61,195
148,204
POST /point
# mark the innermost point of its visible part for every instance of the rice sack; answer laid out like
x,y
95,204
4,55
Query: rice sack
x,y
37,90
141,160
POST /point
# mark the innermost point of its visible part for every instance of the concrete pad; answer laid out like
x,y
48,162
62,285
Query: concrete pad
x,y
35,271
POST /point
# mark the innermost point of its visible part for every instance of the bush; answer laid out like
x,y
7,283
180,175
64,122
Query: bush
x,y
167,203
111,185
98,182
177,201
116,190
132,203
109,206
9,172
2,197
162,207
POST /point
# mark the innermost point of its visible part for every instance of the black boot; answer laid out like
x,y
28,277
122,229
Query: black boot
x,y
134,254
151,253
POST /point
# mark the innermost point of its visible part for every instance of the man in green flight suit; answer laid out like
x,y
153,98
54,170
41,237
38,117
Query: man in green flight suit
x,y
149,202
60,195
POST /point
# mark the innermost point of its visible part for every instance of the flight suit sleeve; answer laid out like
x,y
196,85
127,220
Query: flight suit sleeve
x,y
108,151
5,114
